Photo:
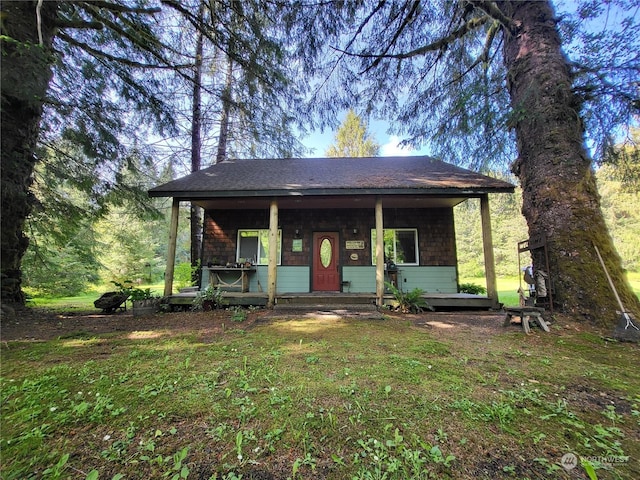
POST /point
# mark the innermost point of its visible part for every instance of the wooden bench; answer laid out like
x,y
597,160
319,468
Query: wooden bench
x,y
526,314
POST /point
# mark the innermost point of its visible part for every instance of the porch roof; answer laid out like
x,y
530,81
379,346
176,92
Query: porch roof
x,y
421,175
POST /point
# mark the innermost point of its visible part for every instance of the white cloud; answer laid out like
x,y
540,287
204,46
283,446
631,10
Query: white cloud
x,y
393,149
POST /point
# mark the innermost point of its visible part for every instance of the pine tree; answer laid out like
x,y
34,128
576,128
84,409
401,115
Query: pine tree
x,y
96,75
352,139
74,74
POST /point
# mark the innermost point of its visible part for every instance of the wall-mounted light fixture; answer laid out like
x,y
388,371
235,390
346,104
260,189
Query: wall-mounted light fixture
x,y
355,231
297,233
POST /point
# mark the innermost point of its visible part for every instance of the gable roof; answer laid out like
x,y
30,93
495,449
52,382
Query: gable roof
x,y
417,175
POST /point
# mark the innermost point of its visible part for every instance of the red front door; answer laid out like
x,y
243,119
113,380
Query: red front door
x,y
325,262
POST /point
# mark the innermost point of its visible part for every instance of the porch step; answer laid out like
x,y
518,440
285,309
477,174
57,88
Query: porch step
x,y
358,310
363,307
315,300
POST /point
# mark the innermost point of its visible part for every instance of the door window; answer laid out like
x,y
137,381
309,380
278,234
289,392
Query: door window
x,y
326,252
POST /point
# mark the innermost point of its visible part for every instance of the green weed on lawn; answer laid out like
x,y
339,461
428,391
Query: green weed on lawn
x,y
323,399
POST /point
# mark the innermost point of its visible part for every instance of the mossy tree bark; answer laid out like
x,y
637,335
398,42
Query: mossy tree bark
x,y
560,198
26,72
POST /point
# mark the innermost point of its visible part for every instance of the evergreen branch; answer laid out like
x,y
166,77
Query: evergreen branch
x,y
439,44
482,58
443,42
199,26
79,24
122,8
223,46
224,40
353,39
122,60
491,35
189,16
407,19
136,41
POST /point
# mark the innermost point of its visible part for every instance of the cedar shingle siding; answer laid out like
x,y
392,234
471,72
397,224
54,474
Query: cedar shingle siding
x,y
436,237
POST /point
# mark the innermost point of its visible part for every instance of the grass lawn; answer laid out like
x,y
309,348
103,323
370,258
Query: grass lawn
x,y
322,399
508,286
84,302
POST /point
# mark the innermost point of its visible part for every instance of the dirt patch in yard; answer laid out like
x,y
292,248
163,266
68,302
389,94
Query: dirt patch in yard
x,y
37,324
41,324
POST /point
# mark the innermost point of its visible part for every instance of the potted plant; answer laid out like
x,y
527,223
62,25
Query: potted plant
x,y
208,299
143,300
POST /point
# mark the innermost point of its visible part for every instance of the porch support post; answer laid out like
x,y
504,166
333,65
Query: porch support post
x,y
487,244
171,255
379,253
273,254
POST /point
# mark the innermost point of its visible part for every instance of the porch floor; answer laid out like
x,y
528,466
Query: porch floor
x,y
439,301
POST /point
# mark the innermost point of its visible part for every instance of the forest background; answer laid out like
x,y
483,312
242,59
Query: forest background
x,y
125,245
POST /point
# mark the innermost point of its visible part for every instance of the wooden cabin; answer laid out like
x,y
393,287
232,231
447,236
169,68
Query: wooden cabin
x,y
277,228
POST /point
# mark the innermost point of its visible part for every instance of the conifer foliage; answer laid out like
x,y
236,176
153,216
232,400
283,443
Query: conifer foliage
x,y
352,139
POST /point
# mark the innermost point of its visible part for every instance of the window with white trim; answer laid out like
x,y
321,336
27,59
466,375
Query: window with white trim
x,y
400,246
253,246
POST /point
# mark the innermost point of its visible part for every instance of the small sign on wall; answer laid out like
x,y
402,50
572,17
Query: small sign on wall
x,y
297,245
354,244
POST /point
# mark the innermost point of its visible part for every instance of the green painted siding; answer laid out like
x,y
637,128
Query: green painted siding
x,y
258,280
293,279
290,279
429,279
363,279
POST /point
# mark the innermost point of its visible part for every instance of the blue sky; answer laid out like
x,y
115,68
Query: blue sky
x,y
320,141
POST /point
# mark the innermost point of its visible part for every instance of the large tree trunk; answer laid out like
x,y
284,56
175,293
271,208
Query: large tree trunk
x,y
26,72
560,198
225,114
196,156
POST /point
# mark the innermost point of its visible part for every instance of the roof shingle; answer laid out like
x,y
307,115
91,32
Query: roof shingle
x,y
330,176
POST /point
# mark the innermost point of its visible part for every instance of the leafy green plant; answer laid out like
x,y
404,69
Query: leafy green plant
x,y
409,302
398,458
239,314
58,469
135,293
472,288
208,299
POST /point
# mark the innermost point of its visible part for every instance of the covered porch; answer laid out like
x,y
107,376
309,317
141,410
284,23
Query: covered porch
x,y
439,301
291,230
248,284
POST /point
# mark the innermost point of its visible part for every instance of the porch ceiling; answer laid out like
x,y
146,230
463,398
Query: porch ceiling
x,y
330,202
